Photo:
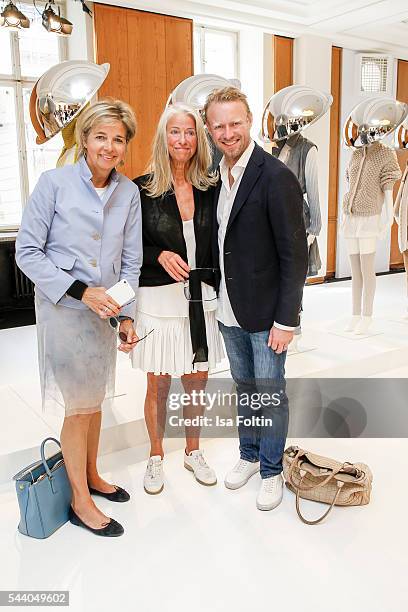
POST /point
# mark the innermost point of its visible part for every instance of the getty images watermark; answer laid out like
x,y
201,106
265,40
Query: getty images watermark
x,y
316,408
204,401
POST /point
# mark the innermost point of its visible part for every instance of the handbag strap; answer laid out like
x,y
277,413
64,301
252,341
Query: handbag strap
x,y
42,451
35,463
319,520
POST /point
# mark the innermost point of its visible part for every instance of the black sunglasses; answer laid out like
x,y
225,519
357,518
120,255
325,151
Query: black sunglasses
x,y
186,288
115,323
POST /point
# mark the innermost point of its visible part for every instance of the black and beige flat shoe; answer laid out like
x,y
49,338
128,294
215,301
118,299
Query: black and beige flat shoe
x,y
112,529
120,495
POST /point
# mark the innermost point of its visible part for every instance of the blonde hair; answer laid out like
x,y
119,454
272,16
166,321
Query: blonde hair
x,y
198,172
226,94
104,111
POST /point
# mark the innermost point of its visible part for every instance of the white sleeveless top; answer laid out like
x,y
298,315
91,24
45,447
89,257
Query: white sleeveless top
x,y
169,300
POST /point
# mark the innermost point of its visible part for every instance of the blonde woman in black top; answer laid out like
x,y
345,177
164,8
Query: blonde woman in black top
x,y
177,299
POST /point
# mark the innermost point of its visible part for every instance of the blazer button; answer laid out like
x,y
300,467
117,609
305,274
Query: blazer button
x,y
227,253
96,236
93,263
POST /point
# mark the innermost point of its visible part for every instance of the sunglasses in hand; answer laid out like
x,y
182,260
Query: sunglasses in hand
x,y
115,323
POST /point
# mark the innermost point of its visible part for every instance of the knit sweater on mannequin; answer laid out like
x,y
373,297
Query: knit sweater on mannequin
x,y
401,212
372,170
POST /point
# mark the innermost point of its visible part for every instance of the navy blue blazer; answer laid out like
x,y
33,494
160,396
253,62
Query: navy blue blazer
x,y
265,247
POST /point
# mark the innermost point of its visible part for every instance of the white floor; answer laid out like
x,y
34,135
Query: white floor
x,y
208,549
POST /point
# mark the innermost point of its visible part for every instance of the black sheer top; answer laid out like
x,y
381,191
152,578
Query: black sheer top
x,y
163,231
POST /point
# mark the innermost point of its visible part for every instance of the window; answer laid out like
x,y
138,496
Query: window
x,y
374,72
24,56
216,51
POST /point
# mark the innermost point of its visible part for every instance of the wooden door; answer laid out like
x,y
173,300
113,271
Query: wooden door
x,y
282,62
334,153
149,55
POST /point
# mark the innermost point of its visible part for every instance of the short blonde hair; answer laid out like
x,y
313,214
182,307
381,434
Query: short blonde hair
x,y
198,172
104,111
226,94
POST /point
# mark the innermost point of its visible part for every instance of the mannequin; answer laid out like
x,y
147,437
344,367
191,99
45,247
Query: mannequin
x,y
401,217
69,153
59,97
286,115
371,174
300,155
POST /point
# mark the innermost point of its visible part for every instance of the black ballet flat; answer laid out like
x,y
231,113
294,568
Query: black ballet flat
x,y
120,495
112,530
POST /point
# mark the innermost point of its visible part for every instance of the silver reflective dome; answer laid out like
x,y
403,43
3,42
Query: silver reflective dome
x,y
291,110
401,136
194,90
373,119
61,93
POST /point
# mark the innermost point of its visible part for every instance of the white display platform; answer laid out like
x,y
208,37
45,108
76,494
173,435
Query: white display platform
x,y
24,425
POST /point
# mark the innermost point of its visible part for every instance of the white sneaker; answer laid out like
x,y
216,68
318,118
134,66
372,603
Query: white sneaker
x,y
240,474
271,493
196,463
153,481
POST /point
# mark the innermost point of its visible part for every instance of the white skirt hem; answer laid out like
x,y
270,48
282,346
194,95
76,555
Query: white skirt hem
x,y
168,349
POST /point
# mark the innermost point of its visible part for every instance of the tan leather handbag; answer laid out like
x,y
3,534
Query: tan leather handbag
x,y
325,480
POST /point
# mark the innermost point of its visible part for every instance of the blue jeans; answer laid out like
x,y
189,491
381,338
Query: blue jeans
x,y
257,369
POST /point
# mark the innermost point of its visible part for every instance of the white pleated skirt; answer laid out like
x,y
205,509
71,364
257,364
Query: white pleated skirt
x,y
77,358
168,349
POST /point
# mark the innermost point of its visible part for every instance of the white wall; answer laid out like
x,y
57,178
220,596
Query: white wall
x,y
80,43
268,68
350,97
251,72
312,67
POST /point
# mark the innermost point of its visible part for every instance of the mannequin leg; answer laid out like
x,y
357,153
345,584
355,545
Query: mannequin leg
x,y
369,282
367,260
356,282
405,256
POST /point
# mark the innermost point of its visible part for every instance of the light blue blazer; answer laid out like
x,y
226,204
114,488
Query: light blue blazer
x,y
67,233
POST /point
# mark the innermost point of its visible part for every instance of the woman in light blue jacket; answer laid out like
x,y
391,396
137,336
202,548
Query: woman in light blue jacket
x,y
80,234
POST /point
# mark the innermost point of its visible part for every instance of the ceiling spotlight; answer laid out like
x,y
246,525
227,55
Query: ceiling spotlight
x,y
55,23
12,18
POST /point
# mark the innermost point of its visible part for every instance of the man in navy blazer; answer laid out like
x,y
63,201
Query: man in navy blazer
x,y
260,244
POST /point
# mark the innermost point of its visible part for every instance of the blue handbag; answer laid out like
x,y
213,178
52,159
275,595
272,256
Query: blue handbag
x,y
44,495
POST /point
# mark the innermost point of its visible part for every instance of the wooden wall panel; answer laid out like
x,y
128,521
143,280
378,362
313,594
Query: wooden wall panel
x,y
396,259
179,39
155,53
147,77
108,19
334,154
283,62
